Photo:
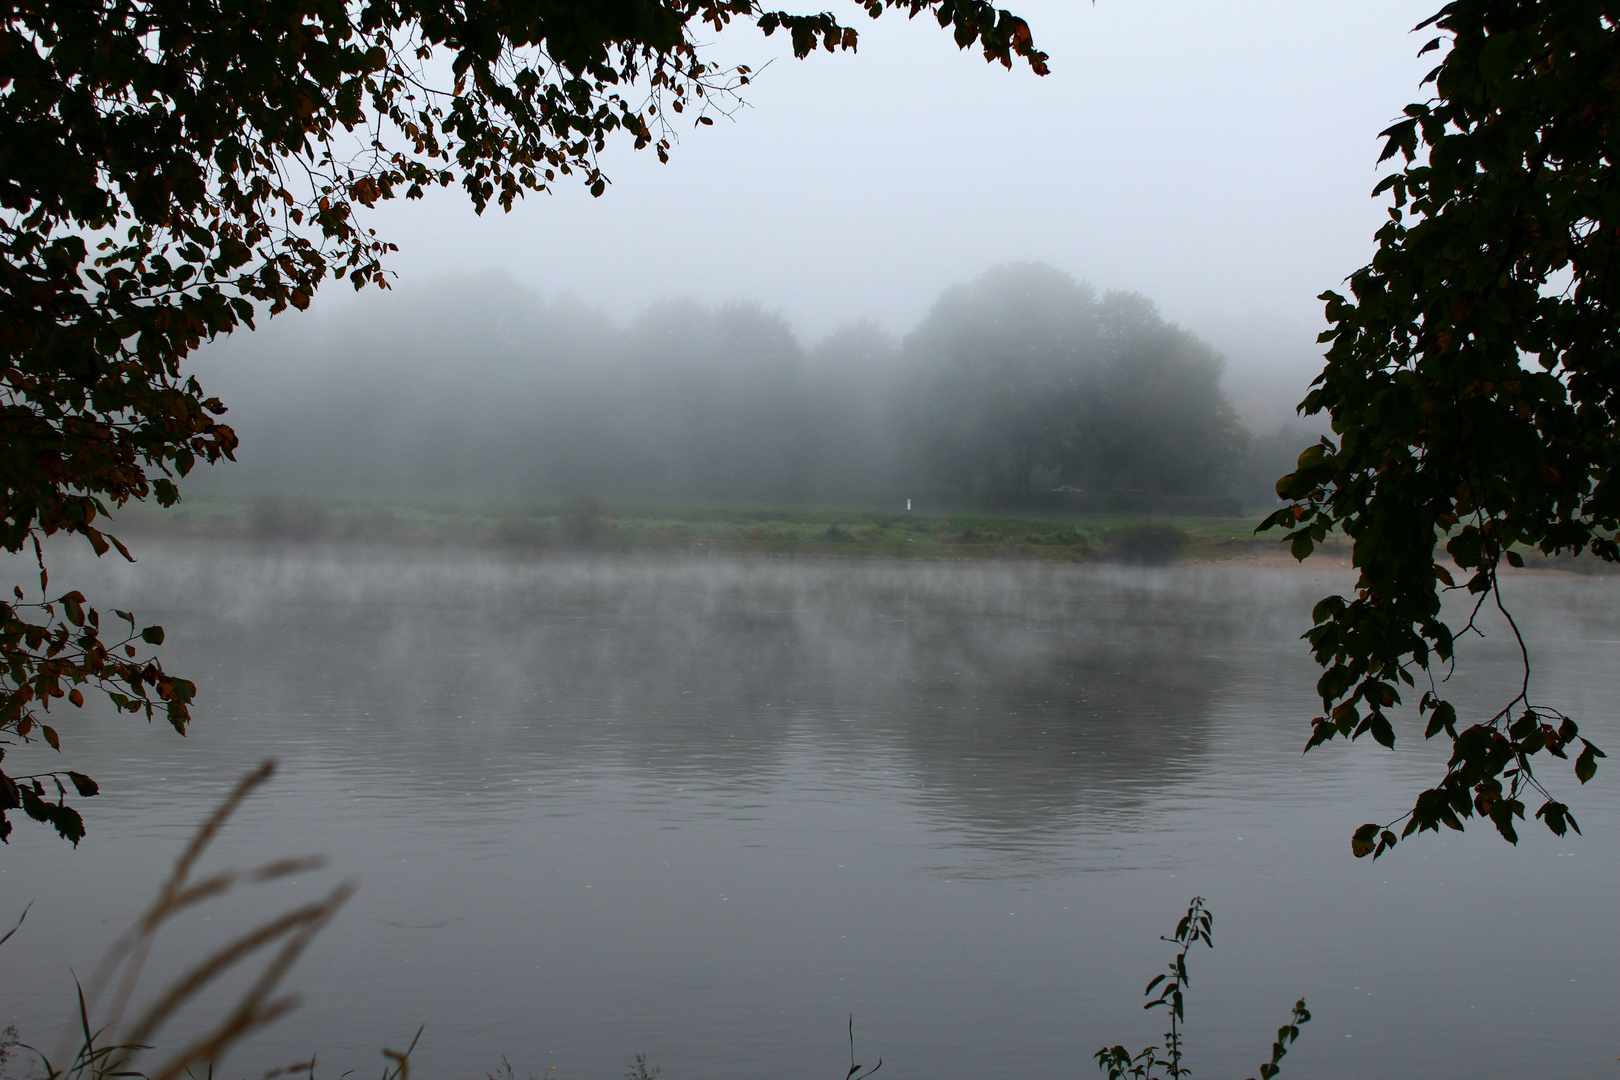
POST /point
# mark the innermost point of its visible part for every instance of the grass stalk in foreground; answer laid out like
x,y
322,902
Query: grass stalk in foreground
x,y
102,1044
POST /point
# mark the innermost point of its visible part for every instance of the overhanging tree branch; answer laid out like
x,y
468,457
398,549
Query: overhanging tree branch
x,y
1474,396
173,170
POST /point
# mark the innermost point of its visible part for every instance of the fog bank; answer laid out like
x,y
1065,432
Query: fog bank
x,y
1022,388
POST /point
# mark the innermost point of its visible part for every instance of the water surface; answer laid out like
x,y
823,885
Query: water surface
x,y
706,810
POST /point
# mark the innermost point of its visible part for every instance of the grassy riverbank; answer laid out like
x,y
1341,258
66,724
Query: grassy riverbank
x,y
583,524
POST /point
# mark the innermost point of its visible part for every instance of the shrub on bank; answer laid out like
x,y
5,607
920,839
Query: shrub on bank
x,y
1147,543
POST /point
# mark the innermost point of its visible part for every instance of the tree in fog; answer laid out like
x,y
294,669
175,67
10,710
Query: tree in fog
x,y
994,366
1024,379
850,384
1150,416
720,402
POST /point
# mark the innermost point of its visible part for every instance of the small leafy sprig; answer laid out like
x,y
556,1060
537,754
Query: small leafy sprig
x,y
1120,1064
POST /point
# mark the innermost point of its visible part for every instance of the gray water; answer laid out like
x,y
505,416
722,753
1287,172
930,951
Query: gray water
x,y
708,810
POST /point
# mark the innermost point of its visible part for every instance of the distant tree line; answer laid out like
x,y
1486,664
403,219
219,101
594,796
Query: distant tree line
x,y
1023,388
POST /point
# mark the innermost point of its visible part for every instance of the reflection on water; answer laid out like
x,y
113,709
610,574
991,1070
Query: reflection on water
x,y
703,809
1019,699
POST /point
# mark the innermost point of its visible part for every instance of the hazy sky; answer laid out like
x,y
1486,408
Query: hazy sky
x,y
1215,156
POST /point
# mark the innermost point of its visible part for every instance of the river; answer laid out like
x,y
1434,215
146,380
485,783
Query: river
x,y
709,810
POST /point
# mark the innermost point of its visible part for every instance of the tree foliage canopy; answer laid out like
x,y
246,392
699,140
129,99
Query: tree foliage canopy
x,y
173,169
1473,382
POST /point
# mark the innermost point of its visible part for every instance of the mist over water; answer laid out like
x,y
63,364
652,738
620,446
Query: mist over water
x,y
705,809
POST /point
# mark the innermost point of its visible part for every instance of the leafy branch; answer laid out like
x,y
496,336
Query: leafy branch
x,y
1472,397
50,652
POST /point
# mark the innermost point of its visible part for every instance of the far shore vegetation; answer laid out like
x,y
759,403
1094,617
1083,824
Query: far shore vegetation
x,y
589,524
